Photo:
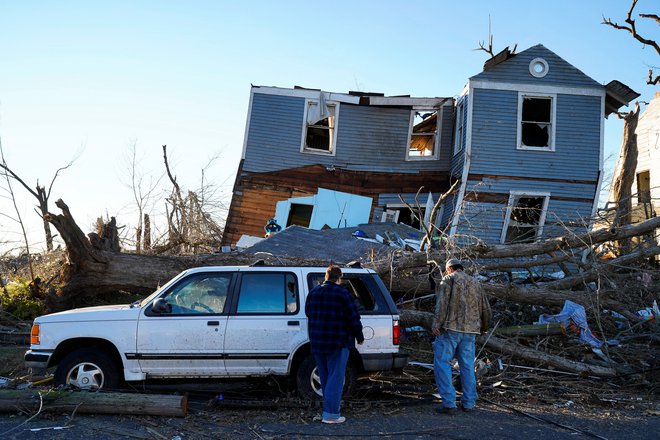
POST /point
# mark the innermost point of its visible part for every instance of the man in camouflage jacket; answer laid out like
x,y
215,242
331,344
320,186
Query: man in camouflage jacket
x,y
461,313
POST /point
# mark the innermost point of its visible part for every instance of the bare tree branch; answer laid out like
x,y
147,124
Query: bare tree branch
x,y
632,29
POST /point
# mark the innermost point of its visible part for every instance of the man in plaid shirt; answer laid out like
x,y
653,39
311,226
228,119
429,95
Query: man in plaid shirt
x,y
333,323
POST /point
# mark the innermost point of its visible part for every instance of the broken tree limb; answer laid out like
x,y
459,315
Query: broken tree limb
x,y
425,319
565,243
94,403
553,328
592,274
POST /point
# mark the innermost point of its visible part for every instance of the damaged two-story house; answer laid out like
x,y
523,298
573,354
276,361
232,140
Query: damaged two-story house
x,y
525,139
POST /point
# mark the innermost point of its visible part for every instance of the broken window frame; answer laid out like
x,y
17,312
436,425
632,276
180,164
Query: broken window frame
x,y
514,196
333,106
520,145
436,141
460,128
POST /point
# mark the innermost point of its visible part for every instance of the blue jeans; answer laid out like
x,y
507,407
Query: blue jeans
x,y
332,367
448,345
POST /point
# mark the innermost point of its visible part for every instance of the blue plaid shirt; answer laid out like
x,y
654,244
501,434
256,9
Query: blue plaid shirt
x,y
333,321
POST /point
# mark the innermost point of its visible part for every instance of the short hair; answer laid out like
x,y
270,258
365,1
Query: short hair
x,y
333,273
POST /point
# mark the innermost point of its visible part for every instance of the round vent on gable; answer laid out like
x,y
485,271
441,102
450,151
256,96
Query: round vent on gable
x,y
538,67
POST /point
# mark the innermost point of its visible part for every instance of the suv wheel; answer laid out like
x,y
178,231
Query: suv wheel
x,y
87,369
308,380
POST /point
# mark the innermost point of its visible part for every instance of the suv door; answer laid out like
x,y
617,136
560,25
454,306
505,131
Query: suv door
x,y
183,335
264,325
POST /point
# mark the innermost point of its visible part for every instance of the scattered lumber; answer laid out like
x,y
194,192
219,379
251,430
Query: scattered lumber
x,y
83,402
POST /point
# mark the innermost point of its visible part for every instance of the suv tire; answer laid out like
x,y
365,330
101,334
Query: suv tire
x,y
309,384
87,369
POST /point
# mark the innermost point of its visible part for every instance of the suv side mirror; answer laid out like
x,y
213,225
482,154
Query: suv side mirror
x,y
160,306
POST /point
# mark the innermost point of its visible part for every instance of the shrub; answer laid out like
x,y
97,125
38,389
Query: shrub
x,y
17,299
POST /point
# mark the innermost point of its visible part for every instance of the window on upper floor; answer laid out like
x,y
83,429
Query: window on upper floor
x,y
458,140
536,116
525,217
320,127
424,135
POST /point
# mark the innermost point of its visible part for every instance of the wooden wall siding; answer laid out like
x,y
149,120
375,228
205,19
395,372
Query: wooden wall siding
x,y
560,72
255,194
557,189
457,161
393,198
448,210
648,144
369,138
494,138
485,220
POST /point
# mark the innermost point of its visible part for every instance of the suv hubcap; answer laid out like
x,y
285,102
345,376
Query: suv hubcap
x,y
86,376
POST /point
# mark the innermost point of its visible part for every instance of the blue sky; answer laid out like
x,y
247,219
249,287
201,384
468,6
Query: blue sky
x,y
90,79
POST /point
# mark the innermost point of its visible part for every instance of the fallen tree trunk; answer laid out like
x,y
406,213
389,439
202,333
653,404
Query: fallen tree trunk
x,y
411,318
93,403
90,272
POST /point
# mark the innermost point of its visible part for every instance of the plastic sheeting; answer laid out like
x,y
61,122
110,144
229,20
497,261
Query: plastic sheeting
x,y
573,313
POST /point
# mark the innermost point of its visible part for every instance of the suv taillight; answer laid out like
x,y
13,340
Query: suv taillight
x,y
35,335
395,332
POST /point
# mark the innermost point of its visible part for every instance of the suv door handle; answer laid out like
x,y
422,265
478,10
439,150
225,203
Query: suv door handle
x,y
293,323
213,323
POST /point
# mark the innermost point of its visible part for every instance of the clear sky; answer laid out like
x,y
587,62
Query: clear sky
x,y
89,79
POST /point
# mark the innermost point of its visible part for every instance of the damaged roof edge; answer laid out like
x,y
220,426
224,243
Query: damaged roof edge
x,y
368,98
617,95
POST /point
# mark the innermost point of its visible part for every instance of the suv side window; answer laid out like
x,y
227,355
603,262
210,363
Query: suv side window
x,y
270,292
365,293
199,293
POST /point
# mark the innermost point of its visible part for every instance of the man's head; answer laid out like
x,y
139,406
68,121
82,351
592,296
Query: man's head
x,y
333,274
452,265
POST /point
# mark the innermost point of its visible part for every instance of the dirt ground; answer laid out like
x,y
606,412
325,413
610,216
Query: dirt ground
x,y
397,407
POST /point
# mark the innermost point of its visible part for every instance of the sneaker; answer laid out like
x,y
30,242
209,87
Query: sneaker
x,y
340,419
467,409
446,410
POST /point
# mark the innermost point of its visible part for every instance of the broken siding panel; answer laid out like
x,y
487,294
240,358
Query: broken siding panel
x,y
560,72
494,138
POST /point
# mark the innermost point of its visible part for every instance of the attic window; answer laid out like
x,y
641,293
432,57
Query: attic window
x,y
525,218
423,143
538,67
536,127
319,133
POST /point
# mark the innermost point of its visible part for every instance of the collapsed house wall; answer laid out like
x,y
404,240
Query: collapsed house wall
x,y
368,151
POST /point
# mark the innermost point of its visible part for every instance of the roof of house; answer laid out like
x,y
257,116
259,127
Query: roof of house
x,y
338,245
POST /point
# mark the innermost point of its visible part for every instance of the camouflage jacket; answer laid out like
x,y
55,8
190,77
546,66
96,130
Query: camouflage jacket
x,y
461,305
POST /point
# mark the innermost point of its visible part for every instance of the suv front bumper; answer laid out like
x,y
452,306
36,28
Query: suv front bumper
x,y
35,359
384,361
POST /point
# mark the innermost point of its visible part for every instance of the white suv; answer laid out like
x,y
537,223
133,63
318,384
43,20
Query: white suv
x,y
214,322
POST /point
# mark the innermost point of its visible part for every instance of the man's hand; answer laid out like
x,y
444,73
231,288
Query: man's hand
x,y
437,331
360,343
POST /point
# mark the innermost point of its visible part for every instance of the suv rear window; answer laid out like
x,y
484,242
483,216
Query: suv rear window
x,y
366,294
268,293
